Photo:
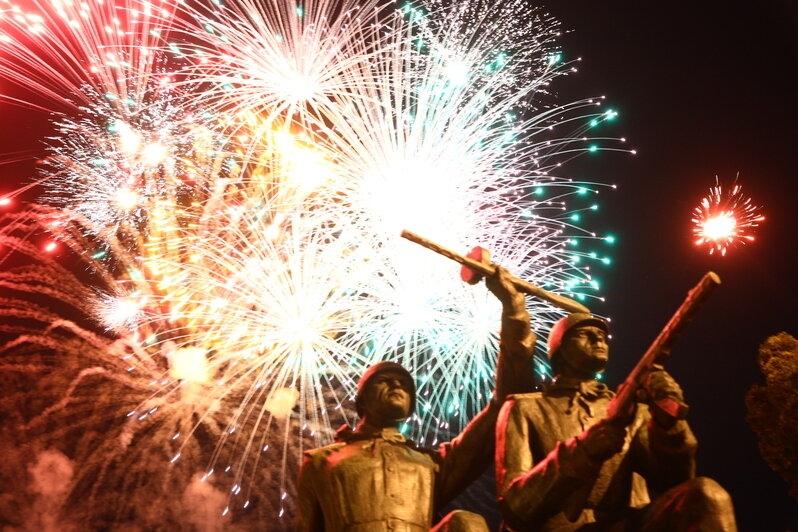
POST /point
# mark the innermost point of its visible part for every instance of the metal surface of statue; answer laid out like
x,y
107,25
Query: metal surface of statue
x,y
373,479
562,464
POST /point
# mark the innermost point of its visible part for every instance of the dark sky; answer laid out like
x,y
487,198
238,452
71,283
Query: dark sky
x,y
703,90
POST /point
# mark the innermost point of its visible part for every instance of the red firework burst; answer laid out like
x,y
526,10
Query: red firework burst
x,y
725,219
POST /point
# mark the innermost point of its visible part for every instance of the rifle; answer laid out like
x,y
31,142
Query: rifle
x,y
658,352
477,265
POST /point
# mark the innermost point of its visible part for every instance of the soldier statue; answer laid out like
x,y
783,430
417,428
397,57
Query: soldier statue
x,y
562,466
374,479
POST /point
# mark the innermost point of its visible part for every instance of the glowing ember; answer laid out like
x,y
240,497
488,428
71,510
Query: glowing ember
x,y
720,227
126,199
154,154
281,402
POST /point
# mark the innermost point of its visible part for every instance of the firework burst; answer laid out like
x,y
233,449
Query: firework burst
x,y
298,64
724,219
237,194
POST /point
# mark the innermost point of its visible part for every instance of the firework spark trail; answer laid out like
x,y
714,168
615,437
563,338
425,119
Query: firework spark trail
x,y
724,219
301,64
90,380
252,257
270,312
157,393
203,282
100,66
56,48
113,168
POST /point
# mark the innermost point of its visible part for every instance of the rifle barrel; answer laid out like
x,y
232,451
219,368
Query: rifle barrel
x,y
660,347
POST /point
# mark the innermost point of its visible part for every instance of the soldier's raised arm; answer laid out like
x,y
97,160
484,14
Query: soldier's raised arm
x,y
514,371
472,451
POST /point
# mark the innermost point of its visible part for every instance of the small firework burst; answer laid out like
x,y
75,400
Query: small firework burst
x,y
725,218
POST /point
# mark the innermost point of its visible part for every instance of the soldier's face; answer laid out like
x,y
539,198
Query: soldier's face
x,y
585,349
387,397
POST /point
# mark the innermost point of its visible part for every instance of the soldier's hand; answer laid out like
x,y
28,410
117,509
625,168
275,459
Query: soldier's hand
x,y
664,395
657,383
603,440
505,291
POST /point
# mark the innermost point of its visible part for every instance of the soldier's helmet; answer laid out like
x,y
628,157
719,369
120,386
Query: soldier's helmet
x,y
563,325
373,371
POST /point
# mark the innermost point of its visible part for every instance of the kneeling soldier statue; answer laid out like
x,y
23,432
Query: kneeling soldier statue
x,y
563,464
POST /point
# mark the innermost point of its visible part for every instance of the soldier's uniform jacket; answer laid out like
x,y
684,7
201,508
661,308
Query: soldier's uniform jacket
x,y
375,480
542,471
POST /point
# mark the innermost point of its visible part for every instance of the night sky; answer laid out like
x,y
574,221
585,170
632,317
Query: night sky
x,y
702,89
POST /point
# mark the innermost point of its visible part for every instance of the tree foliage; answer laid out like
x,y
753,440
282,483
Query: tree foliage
x,y
772,408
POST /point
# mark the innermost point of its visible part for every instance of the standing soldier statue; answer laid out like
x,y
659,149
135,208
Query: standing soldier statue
x,y
373,479
574,457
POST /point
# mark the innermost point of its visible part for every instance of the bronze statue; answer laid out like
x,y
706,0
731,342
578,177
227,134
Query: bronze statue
x,y
373,479
562,464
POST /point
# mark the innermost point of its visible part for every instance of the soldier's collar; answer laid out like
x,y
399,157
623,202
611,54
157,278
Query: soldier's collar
x,y
589,388
369,432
